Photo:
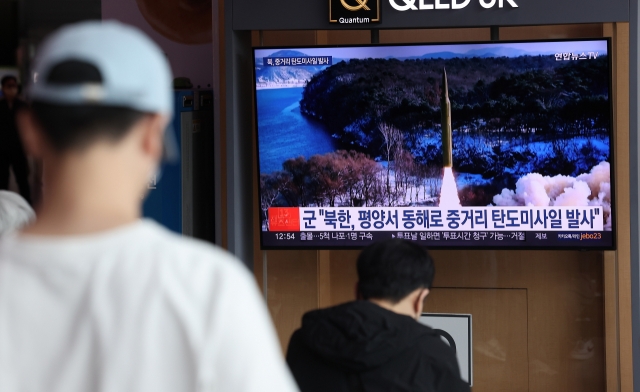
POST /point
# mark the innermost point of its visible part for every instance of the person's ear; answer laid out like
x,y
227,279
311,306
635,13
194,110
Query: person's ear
x,y
419,302
33,138
153,135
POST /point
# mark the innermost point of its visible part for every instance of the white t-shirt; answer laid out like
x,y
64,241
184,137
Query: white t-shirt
x,y
132,309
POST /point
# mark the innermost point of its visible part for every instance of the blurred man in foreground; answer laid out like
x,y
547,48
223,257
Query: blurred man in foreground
x,y
376,343
12,154
92,298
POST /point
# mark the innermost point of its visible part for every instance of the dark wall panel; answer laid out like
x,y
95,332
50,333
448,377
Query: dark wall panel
x,y
8,32
39,17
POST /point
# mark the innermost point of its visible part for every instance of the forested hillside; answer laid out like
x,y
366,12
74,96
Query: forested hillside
x,y
499,98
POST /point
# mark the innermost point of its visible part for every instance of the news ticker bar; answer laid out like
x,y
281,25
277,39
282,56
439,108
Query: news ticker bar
x,y
426,219
550,239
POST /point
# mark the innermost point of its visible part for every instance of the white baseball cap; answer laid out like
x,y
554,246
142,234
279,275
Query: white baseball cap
x,y
134,72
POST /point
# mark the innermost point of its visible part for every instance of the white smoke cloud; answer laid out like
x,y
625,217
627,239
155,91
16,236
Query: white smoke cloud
x,y
507,198
576,195
589,189
599,176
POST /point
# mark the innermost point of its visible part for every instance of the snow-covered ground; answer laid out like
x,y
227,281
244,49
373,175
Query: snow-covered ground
x,y
469,179
518,155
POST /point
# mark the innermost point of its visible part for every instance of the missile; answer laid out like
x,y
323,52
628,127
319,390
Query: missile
x,y
445,116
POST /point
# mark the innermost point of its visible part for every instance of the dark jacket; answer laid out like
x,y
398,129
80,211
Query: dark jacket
x,y
360,346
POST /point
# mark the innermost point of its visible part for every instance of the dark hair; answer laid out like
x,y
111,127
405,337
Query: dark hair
x,y
76,126
7,78
67,127
392,269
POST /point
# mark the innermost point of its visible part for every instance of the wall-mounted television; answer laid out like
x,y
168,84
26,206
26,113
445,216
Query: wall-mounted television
x,y
460,145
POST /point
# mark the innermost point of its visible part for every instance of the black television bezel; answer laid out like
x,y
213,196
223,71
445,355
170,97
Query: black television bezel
x,y
524,247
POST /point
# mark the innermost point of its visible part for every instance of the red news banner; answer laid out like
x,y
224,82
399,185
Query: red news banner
x,y
585,218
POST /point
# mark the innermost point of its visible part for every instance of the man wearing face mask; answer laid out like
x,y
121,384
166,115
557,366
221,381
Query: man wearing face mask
x,y
376,342
12,154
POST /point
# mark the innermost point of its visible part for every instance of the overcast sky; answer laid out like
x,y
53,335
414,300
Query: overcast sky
x,y
532,48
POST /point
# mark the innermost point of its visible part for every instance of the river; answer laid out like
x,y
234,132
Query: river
x,y
283,132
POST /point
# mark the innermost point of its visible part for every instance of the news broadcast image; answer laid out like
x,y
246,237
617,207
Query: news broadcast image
x,y
482,145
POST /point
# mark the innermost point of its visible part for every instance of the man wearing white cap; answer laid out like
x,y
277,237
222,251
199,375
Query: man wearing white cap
x,y
92,298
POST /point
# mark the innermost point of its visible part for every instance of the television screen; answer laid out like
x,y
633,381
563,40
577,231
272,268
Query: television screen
x,y
477,145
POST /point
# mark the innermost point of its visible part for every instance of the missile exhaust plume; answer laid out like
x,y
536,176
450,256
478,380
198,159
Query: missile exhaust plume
x,y
449,190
